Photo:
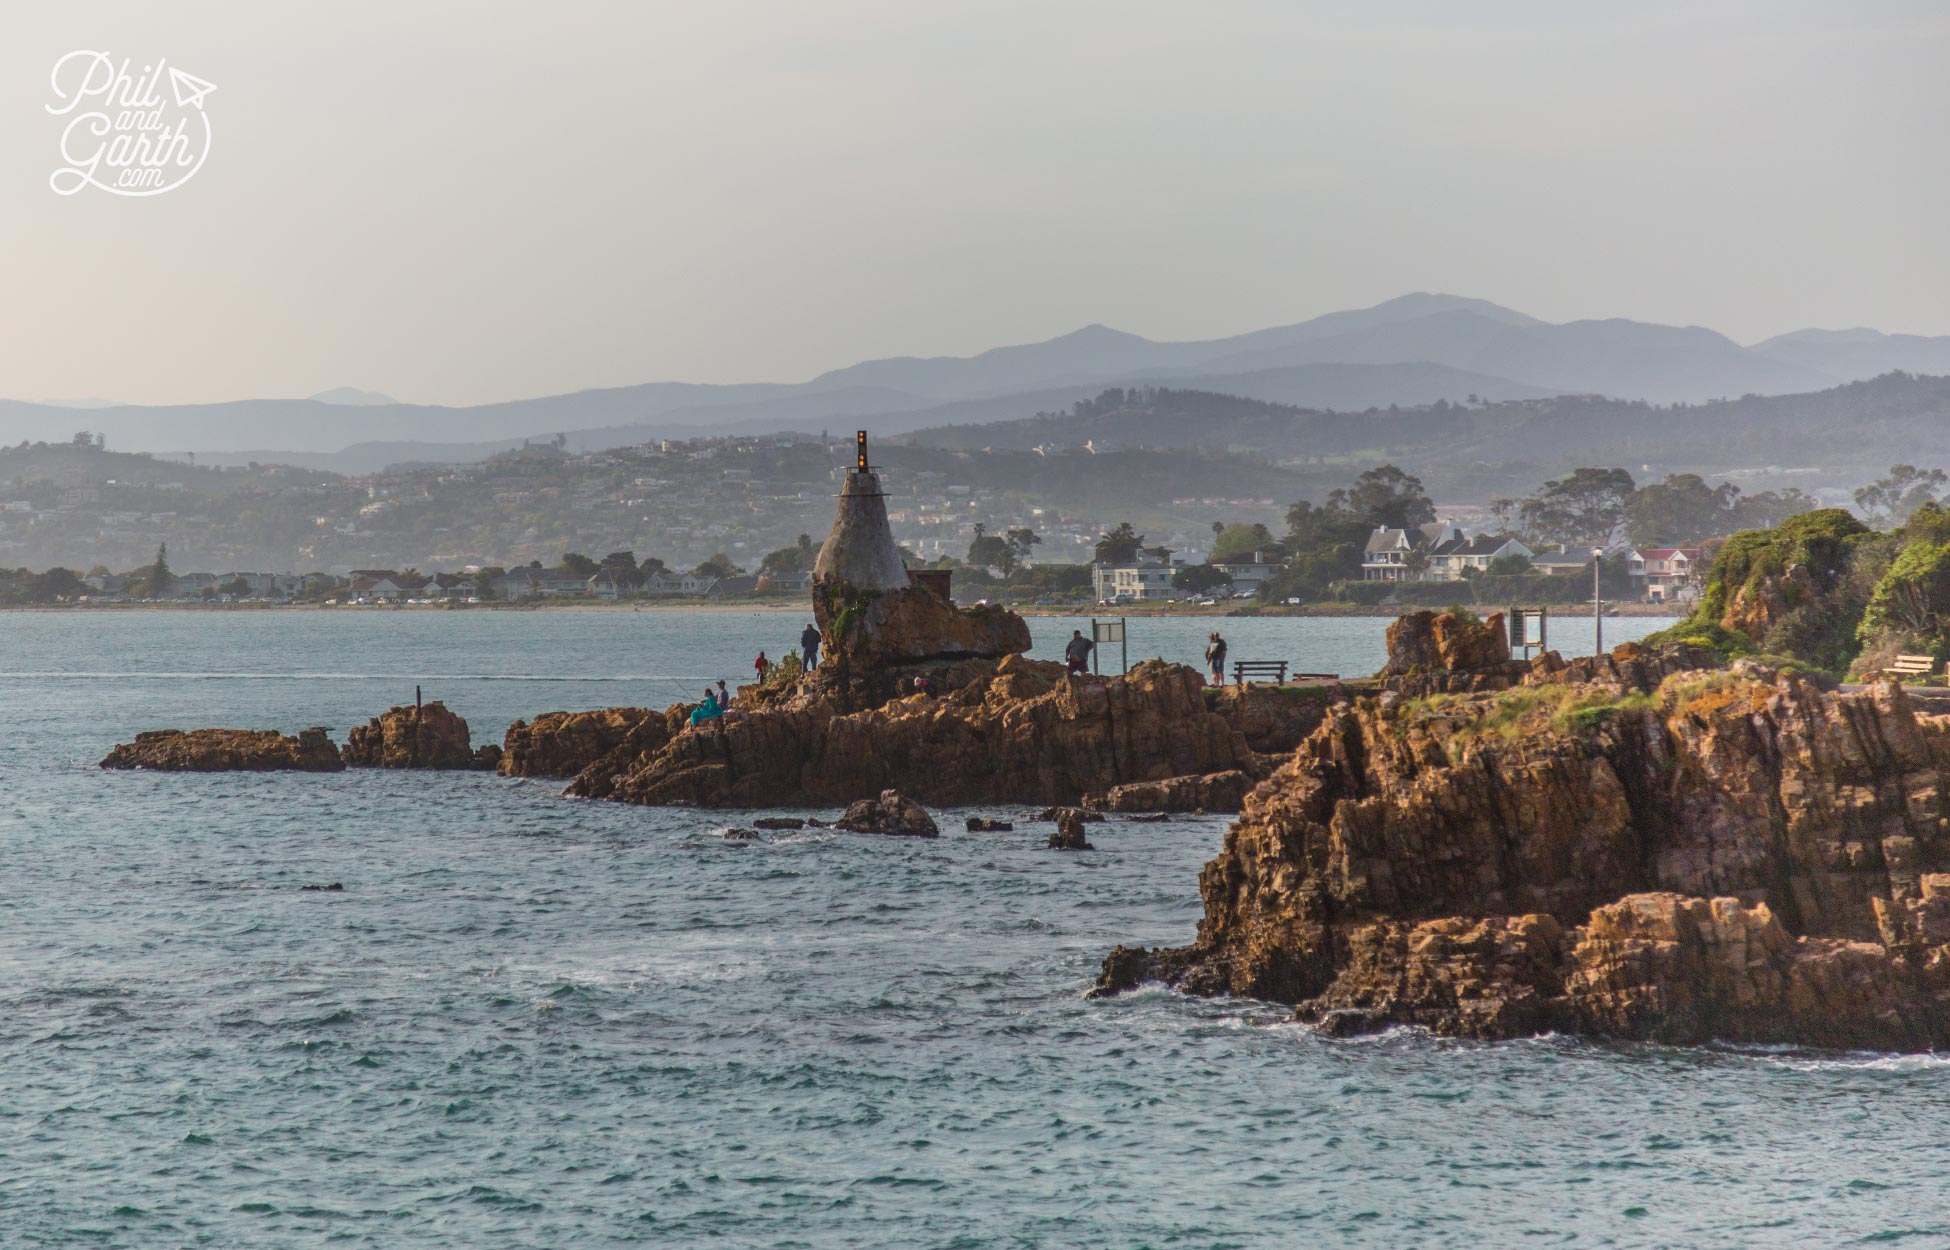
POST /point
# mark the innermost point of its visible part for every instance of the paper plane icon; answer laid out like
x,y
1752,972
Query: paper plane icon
x,y
189,89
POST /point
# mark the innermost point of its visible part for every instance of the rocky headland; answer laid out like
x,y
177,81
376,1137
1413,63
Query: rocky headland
x,y
1646,846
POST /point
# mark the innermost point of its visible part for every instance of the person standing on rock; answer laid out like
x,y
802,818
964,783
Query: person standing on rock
x,y
809,646
761,666
1077,654
1215,658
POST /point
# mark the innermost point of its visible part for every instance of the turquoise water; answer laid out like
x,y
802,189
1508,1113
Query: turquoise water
x,y
535,1022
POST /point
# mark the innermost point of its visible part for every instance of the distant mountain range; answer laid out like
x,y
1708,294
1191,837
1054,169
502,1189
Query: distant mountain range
x,y
1834,438
1409,351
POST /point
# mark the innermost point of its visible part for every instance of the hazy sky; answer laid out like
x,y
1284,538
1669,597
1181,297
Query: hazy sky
x,y
461,201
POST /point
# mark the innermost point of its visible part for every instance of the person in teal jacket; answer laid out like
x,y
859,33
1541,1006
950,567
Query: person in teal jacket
x,y
707,710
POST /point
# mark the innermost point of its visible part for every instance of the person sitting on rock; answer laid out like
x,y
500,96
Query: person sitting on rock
x,y
709,710
1077,654
809,644
1215,658
724,696
761,666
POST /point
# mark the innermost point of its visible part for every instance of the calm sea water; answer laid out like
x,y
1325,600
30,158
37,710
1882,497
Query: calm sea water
x,y
534,1022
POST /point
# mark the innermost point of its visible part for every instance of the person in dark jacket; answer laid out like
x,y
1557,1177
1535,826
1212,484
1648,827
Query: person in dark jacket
x,y
1077,653
809,646
1215,658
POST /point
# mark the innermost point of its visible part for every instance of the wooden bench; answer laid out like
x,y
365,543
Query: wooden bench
x,y
1259,668
1911,666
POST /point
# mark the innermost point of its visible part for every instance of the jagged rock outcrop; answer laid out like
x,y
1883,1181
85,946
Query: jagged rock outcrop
x,y
892,813
1019,731
427,736
227,750
562,744
1069,835
1442,653
1442,642
1736,854
1628,666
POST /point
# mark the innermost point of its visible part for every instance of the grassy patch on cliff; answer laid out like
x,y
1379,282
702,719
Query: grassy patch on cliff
x,y
1524,712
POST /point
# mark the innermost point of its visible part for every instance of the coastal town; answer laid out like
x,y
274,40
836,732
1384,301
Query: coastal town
x,y
730,519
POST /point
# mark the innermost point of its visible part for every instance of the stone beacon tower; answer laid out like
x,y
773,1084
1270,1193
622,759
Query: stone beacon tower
x,y
860,549
879,621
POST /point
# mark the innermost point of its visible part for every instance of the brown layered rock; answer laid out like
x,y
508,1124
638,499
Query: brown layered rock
x,y
1442,653
1018,731
1735,854
227,750
889,628
597,778
1273,719
892,813
1209,792
1628,666
562,744
427,736
1442,642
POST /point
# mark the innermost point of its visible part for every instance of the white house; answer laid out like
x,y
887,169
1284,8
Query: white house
x,y
1666,573
680,583
1454,559
1385,558
1144,578
1249,572
1563,562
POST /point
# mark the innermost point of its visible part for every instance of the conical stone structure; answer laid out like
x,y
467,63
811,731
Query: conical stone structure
x,y
860,548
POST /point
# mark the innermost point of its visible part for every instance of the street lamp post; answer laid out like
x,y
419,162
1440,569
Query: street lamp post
x,y
1597,605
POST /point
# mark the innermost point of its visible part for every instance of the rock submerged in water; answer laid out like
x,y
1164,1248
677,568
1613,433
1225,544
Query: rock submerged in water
x,y
1733,855
981,824
228,750
426,736
892,813
1069,832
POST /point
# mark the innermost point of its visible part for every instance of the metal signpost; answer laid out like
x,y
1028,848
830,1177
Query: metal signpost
x,y
1519,623
1102,632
